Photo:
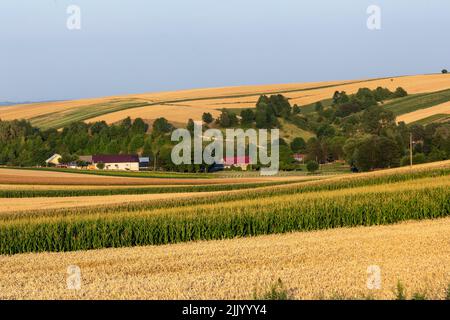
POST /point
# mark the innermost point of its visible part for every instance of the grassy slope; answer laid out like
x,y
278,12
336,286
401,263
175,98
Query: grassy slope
x,y
417,101
309,108
64,118
289,131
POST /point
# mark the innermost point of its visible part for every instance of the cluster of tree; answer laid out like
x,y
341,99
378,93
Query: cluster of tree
x,y
359,130
24,145
363,99
268,110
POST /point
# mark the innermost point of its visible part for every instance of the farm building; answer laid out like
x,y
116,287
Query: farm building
x,y
299,157
87,159
242,162
53,160
117,162
144,162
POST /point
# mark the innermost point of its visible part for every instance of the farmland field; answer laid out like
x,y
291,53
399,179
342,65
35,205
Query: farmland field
x,y
78,177
193,153
159,241
414,116
426,101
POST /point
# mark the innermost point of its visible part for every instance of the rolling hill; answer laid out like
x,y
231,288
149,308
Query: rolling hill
x,y
179,106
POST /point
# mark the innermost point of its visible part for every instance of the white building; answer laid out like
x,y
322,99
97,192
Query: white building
x,y
117,162
53,160
242,162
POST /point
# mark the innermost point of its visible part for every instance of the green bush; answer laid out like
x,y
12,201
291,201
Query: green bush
x,y
418,158
400,291
312,166
276,292
448,293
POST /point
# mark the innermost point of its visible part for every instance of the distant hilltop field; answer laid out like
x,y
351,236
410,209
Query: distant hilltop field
x,y
428,98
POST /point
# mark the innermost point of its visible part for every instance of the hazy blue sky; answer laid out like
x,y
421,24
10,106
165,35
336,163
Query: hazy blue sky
x,y
137,46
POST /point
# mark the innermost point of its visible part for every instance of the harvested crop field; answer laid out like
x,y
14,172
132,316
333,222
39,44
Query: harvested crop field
x,y
26,204
329,264
173,113
424,113
33,177
179,106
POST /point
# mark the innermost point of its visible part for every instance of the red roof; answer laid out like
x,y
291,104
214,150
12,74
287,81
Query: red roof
x,y
236,160
119,158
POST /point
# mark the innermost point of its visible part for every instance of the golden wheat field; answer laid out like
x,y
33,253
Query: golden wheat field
x,y
179,106
177,114
424,113
315,265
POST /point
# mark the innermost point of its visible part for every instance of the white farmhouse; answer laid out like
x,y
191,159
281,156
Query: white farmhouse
x,y
117,162
53,160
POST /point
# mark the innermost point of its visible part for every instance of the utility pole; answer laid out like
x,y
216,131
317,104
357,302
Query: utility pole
x,y
410,150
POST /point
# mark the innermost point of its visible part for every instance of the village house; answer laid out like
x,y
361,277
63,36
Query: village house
x,y
299,157
242,162
116,162
53,160
86,159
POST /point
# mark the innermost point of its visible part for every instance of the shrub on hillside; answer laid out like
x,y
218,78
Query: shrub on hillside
x,y
312,166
